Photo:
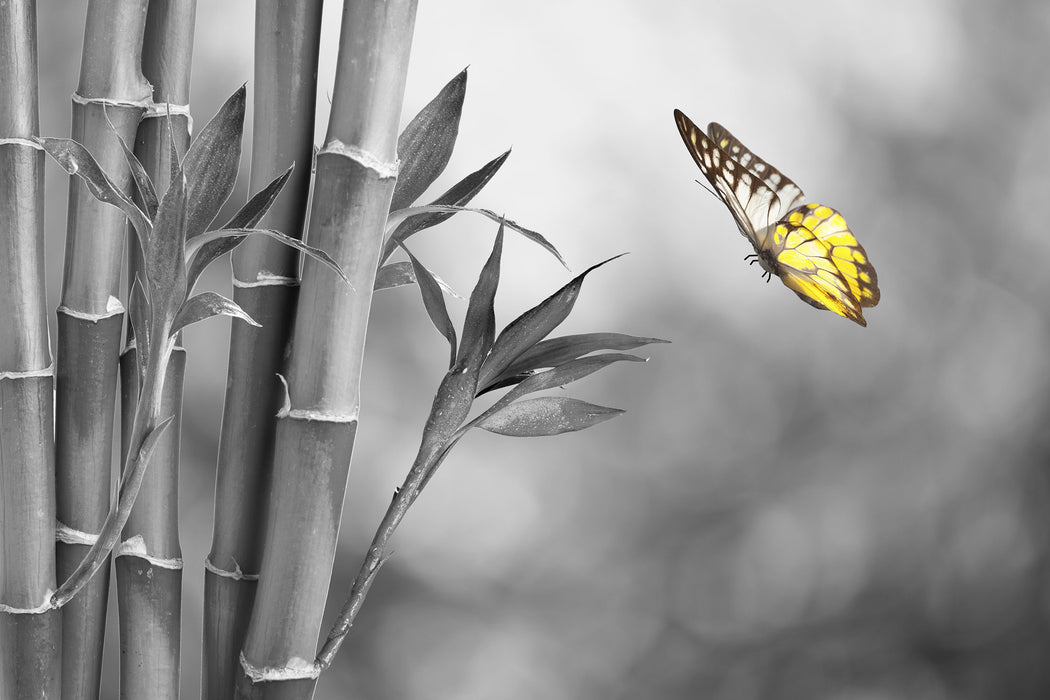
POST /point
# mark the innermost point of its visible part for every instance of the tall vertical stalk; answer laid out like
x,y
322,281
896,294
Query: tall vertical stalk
x,y
30,666
356,171
266,283
148,563
112,95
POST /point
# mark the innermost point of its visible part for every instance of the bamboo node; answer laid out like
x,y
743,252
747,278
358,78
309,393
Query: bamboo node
x,y
267,279
109,102
70,535
38,610
18,141
155,110
365,158
296,669
136,547
48,371
311,414
236,574
113,308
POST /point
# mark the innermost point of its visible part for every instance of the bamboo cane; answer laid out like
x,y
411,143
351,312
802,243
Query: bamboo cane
x,y
29,630
112,95
148,562
266,282
356,170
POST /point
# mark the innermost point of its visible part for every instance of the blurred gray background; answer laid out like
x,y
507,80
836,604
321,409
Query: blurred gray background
x,y
793,506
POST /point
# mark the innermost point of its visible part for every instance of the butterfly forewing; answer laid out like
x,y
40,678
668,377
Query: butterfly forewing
x,y
788,192
752,203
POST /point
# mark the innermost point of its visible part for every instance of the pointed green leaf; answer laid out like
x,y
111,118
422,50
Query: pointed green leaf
x,y
415,212
459,194
556,377
479,326
138,311
547,415
434,304
77,160
192,247
400,273
426,144
532,326
165,264
205,305
247,217
175,168
147,193
211,164
556,351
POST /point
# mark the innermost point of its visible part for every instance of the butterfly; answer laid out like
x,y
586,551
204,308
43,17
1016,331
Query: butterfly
x,y
808,246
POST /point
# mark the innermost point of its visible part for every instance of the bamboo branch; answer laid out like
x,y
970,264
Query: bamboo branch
x,y
148,561
356,170
29,630
266,284
112,95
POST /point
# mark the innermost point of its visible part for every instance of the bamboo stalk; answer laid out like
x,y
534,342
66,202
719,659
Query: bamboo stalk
x,y
266,283
112,95
148,562
356,171
29,630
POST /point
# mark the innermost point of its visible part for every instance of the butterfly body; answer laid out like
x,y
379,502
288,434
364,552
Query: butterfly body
x,y
808,246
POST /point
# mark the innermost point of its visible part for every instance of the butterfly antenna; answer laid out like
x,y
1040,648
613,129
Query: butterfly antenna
x,y
711,191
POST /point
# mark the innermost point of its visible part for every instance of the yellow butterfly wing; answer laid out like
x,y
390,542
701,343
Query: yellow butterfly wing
x,y
820,259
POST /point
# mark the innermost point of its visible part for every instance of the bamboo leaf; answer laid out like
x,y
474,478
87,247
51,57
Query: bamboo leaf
x,y
211,164
566,373
434,304
556,351
429,209
192,247
246,217
458,195
147,193
77,160
532,326
426,144
165,262
115,521
205,305
479,326
547,415
175,168
138,311
400,273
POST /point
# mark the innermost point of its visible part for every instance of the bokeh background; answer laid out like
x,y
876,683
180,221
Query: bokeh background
x,y
793,506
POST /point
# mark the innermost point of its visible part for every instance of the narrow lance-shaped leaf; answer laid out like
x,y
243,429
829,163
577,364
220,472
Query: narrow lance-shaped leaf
x,y
567,373
556,351
532,326
459,194
115,521
147,193
419,212
434,303
399,274
192,247
547,415
175,168
426,144
246,217
205,305
138,310
77,160
165,264
479,326
211,164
